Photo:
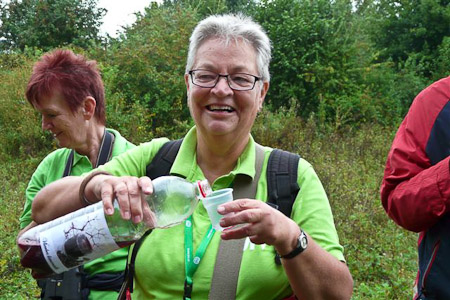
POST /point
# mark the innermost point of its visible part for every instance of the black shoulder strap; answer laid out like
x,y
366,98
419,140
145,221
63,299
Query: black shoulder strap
x,y
163,160
104,154
282,186
159,166
69,164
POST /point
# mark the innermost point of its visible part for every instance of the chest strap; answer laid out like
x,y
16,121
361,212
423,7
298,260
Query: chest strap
x,y
229,256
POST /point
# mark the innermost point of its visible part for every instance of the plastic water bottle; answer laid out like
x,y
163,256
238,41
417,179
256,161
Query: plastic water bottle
x,y
87,234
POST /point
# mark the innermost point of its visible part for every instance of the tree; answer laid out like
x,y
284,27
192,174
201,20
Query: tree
x,y
148,64
313,52
411,29
47,24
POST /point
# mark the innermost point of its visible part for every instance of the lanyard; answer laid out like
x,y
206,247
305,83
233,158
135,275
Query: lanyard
x,y
191,263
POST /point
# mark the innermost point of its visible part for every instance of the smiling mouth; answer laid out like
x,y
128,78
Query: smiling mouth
x,y
220,108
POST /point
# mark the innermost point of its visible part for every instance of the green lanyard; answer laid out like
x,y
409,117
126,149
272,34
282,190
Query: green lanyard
x,y
191,263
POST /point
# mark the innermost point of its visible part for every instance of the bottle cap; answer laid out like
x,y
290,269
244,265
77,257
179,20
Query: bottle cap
x,y
204,188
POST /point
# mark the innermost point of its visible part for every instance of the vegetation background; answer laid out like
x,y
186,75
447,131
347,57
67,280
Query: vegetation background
x,y
343,76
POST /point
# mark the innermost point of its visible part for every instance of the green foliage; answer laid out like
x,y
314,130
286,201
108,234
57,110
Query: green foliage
x,y
442,63
411,29
19,123
312,46
46,24
150,64
16,282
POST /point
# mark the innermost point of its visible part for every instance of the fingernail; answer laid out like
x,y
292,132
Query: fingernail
x,y
220,208
137,219
126,215
109,211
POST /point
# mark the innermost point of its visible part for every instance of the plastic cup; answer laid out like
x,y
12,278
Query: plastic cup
x,y
211,203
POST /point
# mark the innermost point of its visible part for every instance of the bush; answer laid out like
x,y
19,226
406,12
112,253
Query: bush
x,y
150,62
19,123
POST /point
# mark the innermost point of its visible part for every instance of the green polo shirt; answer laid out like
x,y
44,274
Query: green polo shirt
x,y
51,169
160,271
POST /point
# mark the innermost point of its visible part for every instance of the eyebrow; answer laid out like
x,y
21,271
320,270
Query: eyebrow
x,y
47,111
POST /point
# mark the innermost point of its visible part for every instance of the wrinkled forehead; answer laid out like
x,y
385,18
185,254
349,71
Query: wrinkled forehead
x,y
235,53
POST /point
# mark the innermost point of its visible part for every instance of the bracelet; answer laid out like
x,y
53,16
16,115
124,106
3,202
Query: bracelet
x,y
85,181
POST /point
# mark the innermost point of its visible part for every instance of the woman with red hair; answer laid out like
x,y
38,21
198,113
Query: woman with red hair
x,y
67,90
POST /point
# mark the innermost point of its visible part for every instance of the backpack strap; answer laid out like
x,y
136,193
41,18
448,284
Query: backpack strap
x,y
282,186
106,147
228,260
163,160
69,164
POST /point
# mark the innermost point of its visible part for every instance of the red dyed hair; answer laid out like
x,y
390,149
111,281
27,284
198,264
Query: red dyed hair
x,y
72,75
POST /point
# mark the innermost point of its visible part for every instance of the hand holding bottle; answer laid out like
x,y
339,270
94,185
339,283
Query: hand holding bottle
x,y
129,192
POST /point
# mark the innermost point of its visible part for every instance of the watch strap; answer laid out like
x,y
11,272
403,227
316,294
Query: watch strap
x,y
300,247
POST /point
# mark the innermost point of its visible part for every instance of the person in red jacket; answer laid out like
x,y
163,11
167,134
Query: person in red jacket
x,y
415,191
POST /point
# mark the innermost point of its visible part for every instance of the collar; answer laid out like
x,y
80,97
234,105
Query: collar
x,y
185,163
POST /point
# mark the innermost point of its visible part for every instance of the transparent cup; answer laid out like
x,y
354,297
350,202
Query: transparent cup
x,y
211,203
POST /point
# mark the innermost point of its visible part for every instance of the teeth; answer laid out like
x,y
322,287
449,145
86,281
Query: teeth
x,y
220,107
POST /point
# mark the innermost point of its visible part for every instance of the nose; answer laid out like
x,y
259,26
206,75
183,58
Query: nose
x,y
222,87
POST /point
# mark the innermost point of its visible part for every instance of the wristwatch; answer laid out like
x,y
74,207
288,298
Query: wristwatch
x,y
302,244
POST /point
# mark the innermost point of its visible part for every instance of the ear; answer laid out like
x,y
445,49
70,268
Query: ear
x,y
188,87
88,107
263,93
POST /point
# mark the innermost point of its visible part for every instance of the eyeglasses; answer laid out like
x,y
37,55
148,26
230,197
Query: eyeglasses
x,y
237,81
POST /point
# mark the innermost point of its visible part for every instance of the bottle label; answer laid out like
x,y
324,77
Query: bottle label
x,y
76,241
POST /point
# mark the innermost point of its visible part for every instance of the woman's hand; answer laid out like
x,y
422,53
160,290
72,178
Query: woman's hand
x,y
130,193
260,222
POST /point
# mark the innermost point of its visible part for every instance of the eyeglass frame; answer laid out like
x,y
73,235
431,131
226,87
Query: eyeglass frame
x,y
226,77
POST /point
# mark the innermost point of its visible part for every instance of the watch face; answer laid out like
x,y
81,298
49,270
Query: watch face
x,y
303,242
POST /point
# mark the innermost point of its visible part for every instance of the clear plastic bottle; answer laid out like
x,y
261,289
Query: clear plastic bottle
x,y
87,234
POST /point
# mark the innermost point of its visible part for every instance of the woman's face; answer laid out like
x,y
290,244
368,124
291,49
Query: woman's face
x,y
220,111
67,127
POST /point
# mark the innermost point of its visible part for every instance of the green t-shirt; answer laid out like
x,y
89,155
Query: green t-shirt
x,y
160,271
51,169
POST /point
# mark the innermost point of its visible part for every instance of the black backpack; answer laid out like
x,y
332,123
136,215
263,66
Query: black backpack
x,y
282,187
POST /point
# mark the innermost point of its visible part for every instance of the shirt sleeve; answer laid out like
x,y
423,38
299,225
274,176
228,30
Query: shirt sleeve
x,y
414,192
312,211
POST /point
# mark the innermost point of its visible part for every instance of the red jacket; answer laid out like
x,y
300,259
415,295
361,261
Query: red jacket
x,y
416,186
415,191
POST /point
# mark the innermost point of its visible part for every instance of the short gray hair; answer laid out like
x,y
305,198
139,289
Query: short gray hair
x,y
232,27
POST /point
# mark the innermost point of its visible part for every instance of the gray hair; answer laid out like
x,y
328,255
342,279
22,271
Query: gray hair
x,y
232,27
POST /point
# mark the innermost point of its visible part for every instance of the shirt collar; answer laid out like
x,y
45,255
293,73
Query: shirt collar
x,y
185,163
